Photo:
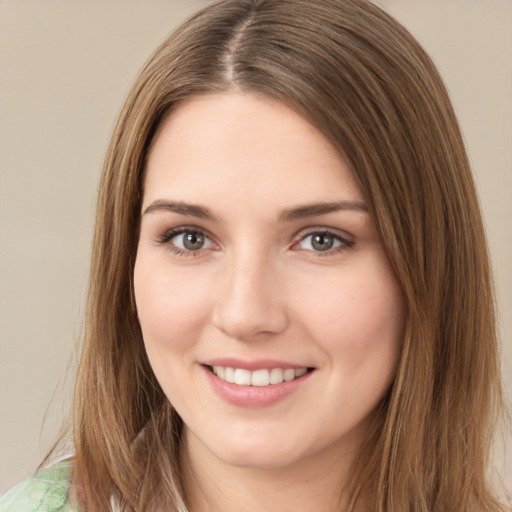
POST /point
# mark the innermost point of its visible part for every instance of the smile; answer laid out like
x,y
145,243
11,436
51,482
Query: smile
x,y
259,378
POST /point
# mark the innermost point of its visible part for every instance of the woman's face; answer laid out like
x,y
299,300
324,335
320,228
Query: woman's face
x,y
270,314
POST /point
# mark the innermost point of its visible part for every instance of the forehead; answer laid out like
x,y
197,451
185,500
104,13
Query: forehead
x,y
241,144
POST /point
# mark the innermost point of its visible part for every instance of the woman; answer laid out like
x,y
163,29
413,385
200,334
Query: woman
x,y
290,304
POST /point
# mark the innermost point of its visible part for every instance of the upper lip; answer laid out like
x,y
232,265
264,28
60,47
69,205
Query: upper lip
x,y
254,364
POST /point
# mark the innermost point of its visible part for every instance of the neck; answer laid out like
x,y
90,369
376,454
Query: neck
x,y
318,482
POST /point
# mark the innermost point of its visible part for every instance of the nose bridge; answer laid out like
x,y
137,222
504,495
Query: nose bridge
x,y
249,301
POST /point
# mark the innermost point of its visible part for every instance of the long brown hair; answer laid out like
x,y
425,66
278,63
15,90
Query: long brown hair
x,y
362,79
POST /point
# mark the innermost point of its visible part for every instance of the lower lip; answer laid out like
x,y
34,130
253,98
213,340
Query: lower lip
x,y
254,396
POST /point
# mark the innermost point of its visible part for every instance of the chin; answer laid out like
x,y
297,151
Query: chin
x,y
278,450
252,449
256,457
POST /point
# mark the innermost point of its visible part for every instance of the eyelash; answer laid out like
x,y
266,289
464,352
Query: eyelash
x,y
344,242
169,235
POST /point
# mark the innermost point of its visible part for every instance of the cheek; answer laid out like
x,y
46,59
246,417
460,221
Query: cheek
x,y
357,316
169,305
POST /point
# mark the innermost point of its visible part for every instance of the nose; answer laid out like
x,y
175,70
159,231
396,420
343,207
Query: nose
x,y
251,303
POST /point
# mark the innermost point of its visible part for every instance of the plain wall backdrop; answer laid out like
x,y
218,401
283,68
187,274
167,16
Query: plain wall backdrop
x,y
65,69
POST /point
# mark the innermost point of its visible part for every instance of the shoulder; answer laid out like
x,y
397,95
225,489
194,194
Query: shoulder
x,y
45,491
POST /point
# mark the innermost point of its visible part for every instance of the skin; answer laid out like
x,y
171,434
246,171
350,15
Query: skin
x,y
258,289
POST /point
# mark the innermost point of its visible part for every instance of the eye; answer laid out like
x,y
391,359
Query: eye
x,y
323,242
185,241
191,241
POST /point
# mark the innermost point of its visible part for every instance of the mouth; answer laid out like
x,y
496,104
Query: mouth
x,y
258,378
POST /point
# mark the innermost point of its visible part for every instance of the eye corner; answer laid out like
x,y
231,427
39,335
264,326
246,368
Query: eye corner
x,y
186,241
327,242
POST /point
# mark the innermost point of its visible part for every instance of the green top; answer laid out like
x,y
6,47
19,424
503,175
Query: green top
x,y
45,491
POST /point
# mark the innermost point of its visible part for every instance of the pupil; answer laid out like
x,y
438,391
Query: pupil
x,y
193,241
322,242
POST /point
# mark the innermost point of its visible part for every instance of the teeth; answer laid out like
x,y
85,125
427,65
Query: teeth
x,y
289,374
242,377
229,374
259,378
276,376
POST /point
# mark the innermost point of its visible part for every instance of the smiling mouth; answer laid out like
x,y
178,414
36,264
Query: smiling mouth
x,y
258,378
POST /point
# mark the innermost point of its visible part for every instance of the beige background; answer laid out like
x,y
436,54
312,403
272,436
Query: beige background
x,y
65,67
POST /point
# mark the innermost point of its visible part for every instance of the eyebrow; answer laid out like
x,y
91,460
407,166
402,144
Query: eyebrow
x,y
315,209
161,205
287,215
